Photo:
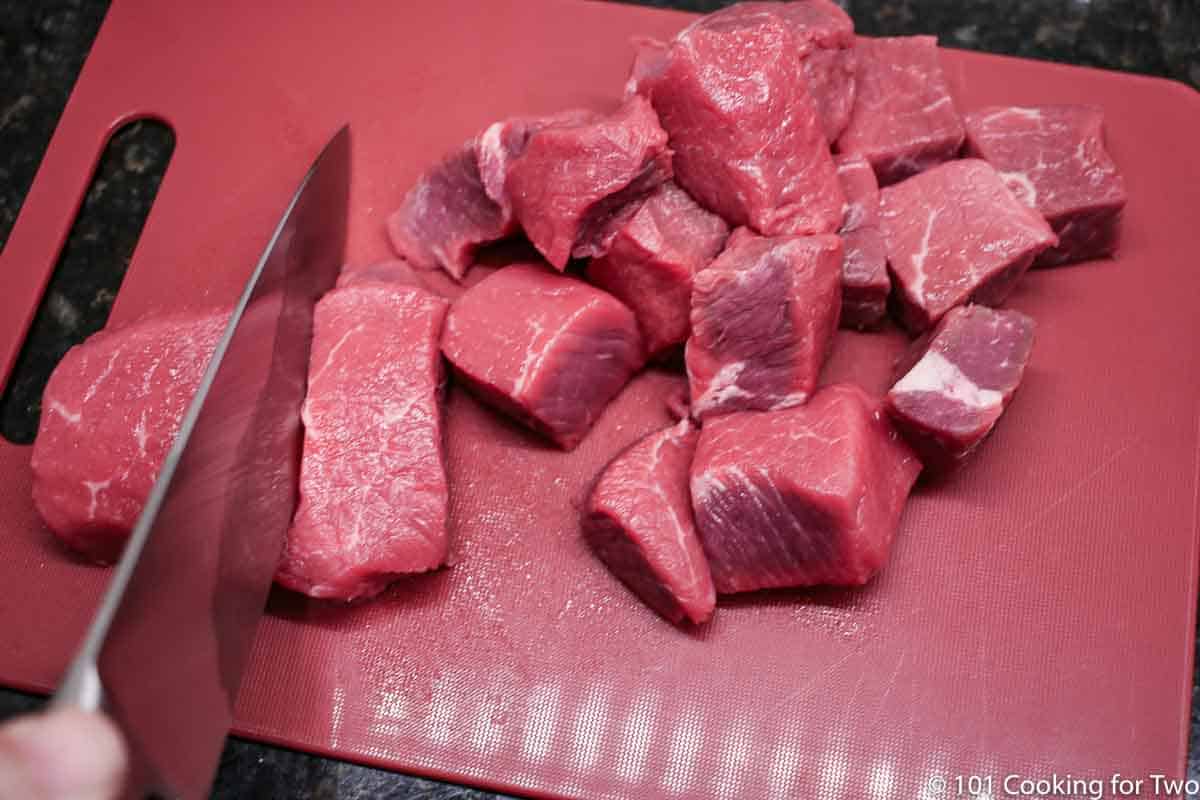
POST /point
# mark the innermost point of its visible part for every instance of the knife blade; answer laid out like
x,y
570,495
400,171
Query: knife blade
x,y
165,653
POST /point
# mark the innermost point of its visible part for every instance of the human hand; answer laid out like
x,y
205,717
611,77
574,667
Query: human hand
x,y
63,754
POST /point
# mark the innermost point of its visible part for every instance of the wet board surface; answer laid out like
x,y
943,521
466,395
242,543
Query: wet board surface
x,y
1037,614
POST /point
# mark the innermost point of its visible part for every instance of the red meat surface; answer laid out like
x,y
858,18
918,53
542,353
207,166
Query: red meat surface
x,y
460,204
956,234
110,413
501,143
865,282
744,127
805,496
372,483
904,119
446,216
824,36
957,381
650,58
638,520
1054,160
546,349
651,260
763,318
574,184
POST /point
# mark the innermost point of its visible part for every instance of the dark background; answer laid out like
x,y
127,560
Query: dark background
x,y
43,46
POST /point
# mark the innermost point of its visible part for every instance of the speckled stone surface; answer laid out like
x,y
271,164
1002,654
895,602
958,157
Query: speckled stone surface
x,y
43,44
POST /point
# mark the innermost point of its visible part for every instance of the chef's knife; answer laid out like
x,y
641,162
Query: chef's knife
x,y
165,653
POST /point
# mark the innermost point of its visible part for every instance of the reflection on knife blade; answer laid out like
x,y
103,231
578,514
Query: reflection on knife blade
x,y
165,653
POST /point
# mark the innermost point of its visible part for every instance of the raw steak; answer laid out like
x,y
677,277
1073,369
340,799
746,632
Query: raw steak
x,y
904,119
651,260
806,496
447,215
744,127
956,234
824,41
546,349
763,318
958,380
110,412
574,185
865,282
1053,159
372,484
639,522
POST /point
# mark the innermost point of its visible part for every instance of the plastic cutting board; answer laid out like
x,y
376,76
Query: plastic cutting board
x,y
1037,615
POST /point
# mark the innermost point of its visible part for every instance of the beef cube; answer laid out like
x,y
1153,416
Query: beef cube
x,y
446,216
651,260
638,520
806,496
748,141
957,381
763,318
822,44
865,282
824,41
1053,159
110,413
373,491
501,143
904,120
461,204
574,185
956,234
548,350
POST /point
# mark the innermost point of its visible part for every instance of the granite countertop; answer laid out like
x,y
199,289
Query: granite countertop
x,y
43,45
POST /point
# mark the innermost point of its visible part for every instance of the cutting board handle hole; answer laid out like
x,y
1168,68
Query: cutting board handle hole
x,y
90,267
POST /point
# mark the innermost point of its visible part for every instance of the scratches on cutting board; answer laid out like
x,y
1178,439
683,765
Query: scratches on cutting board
x,y
1091,475
891,682
819,677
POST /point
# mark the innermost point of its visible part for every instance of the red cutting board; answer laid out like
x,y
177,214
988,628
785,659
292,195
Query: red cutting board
x,y
1037,615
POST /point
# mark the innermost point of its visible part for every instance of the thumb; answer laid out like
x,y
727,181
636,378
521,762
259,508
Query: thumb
x,y
61,754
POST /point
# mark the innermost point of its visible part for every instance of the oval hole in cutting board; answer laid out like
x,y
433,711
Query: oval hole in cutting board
x,y
90,267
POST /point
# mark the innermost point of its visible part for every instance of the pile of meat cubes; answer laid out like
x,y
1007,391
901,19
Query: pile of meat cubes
x,y
768,177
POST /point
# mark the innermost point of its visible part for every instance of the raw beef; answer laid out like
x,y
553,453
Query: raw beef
x,y
865,282
447,215
372,483
546,349
110,412
639,522
650,58
1053,159
824,41
958,380
956,234
806,496
461,203
574,185
904,119
744,127
651,260
503,142
763,318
